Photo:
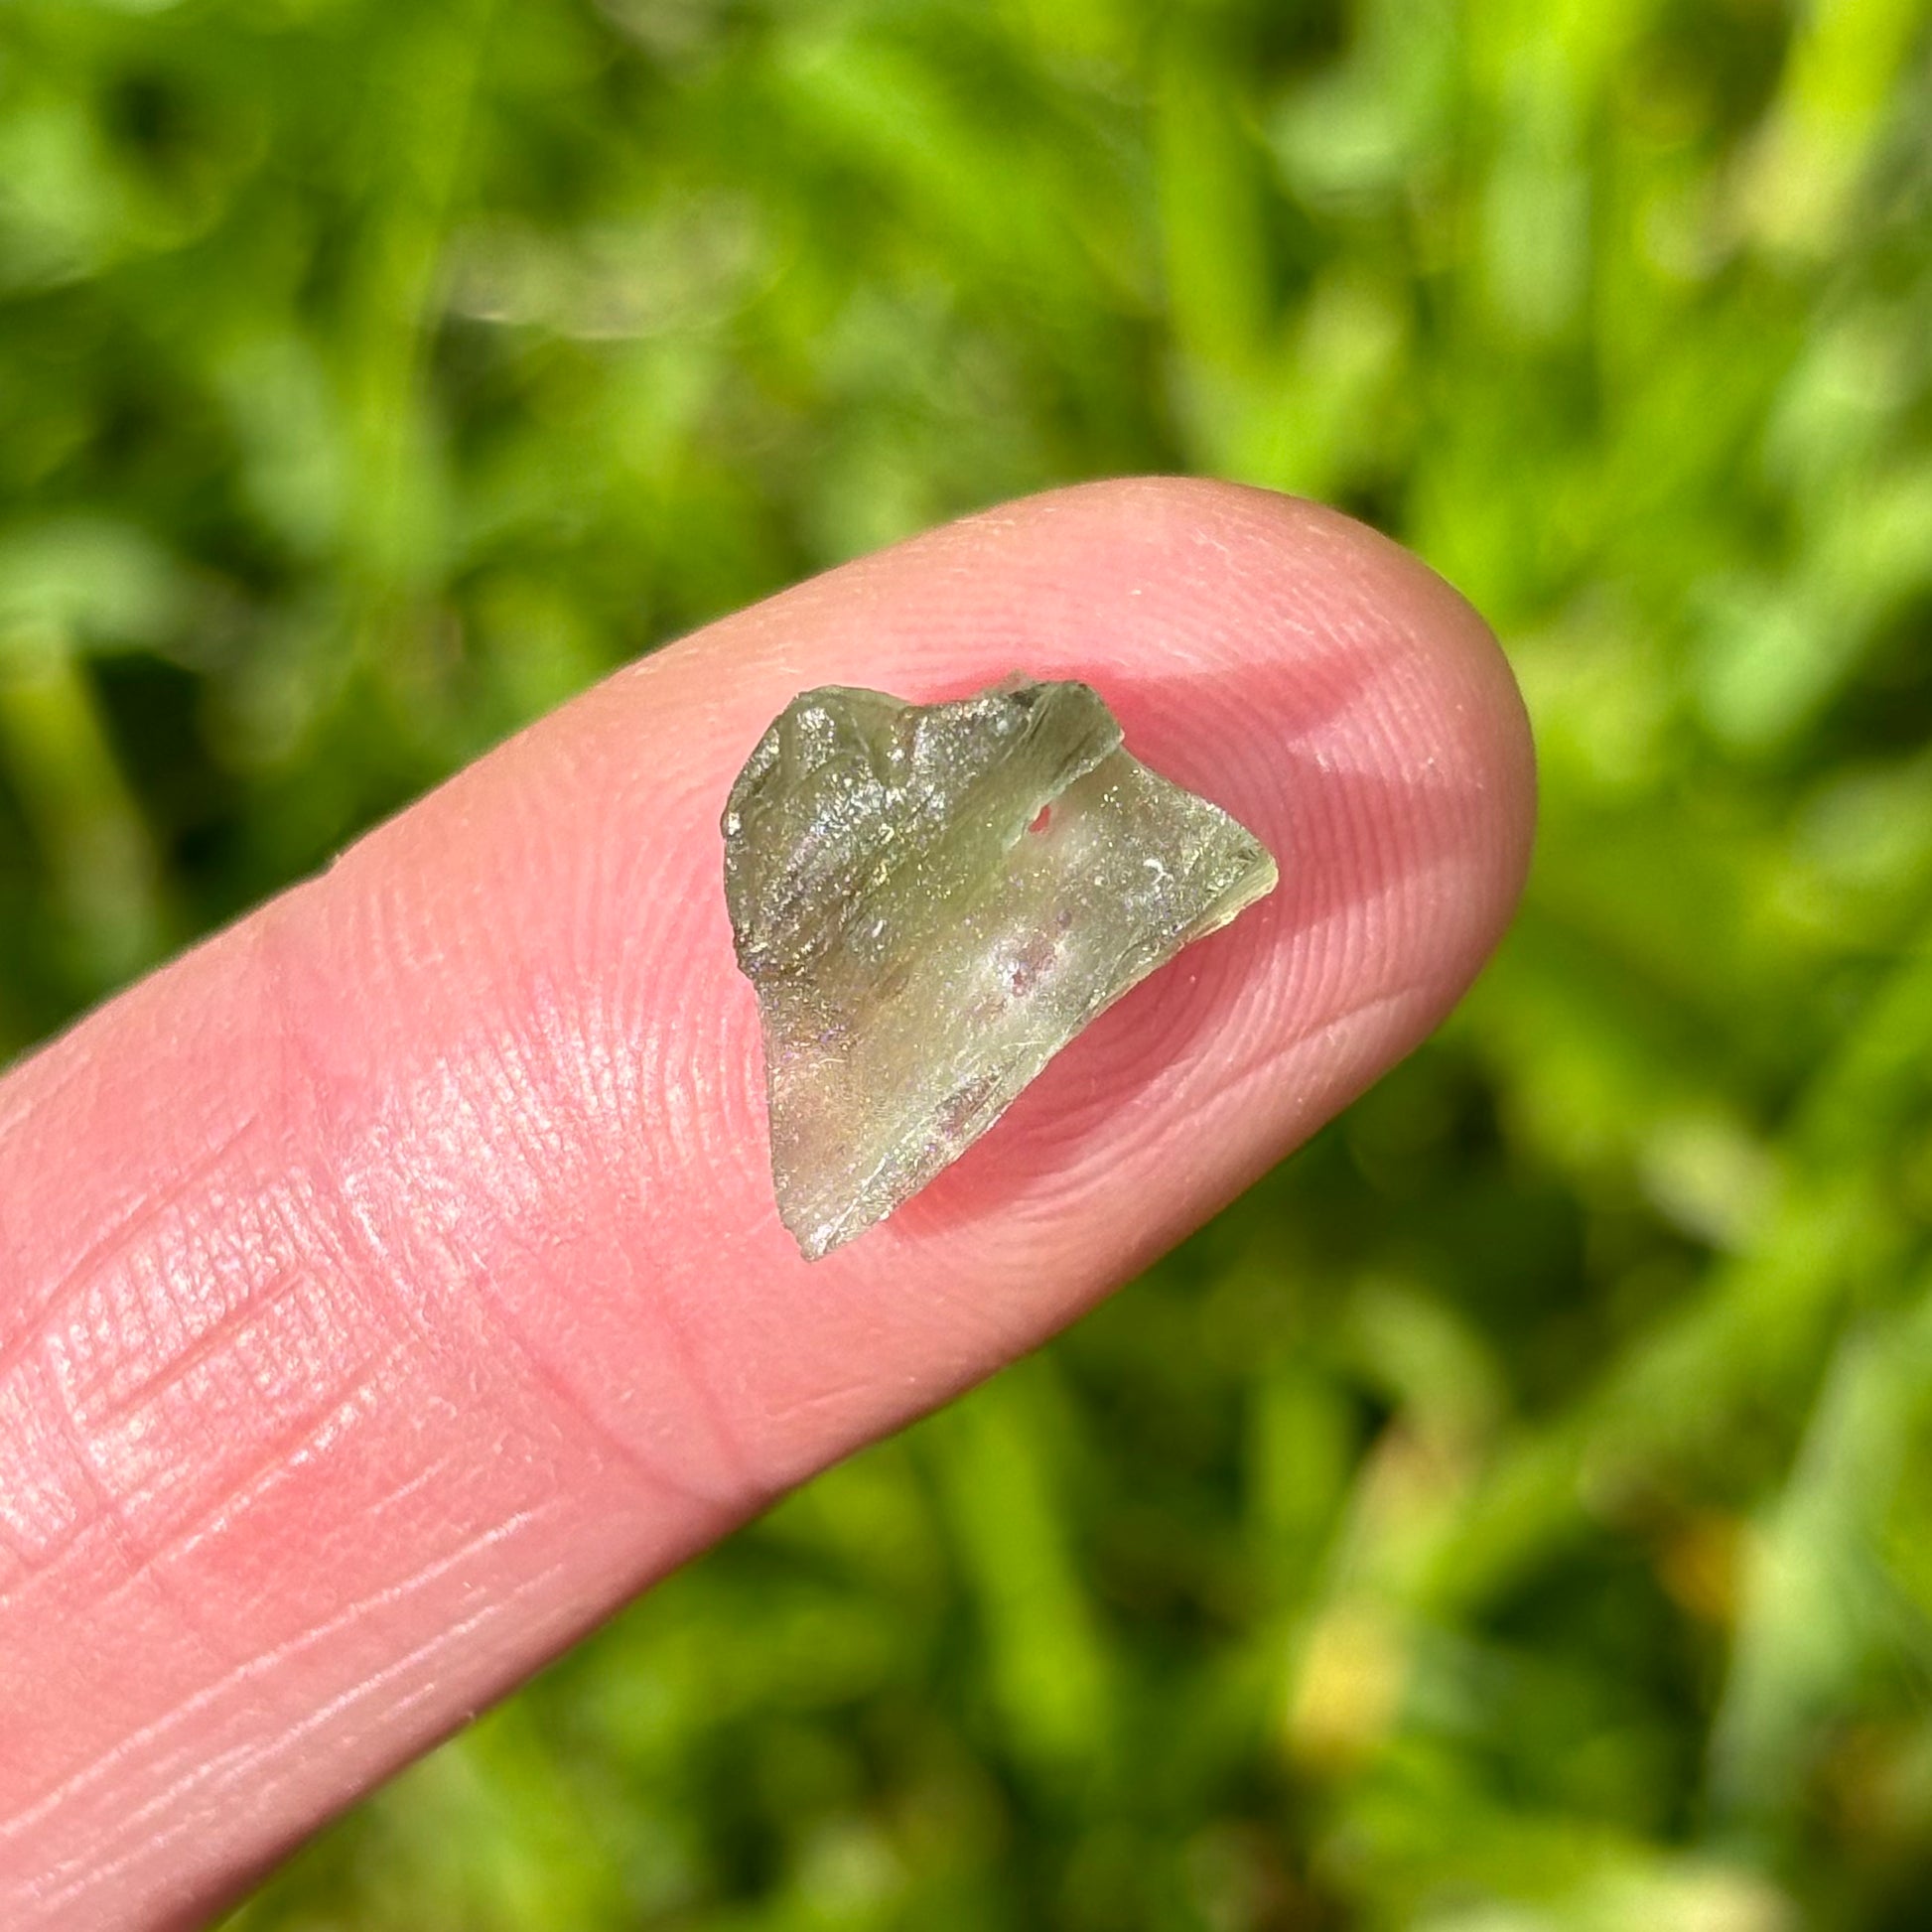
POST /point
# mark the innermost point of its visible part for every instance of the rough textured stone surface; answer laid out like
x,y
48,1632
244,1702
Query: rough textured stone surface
x,y
932,900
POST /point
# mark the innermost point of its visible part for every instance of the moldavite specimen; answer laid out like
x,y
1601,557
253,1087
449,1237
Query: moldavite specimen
x,y
932,900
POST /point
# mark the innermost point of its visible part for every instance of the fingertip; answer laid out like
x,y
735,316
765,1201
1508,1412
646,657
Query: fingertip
x,y
1350,708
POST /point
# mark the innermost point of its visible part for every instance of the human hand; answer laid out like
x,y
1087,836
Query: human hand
x,y
392,1285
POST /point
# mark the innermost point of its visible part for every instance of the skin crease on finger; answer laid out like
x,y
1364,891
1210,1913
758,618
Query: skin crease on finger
x,y
394,1286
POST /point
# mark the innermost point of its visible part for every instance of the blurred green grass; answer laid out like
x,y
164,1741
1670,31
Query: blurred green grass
x,y
1514,1514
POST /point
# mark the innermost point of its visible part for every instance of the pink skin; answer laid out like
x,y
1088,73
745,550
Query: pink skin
x,y
392,1285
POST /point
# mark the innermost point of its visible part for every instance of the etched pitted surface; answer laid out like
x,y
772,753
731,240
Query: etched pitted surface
x,y
932,900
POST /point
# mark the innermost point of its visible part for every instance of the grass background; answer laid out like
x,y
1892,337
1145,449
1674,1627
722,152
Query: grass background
x,y
1516,1515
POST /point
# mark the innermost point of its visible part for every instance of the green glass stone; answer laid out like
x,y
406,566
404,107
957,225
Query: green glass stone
x,y
932,900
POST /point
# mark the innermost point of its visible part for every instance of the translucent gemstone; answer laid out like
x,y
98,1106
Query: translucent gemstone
x,y
932,900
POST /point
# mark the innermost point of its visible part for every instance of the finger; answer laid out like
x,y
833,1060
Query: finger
x,y
392,1285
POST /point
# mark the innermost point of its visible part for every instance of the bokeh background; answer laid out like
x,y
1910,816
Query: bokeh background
x,y
1516,1515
